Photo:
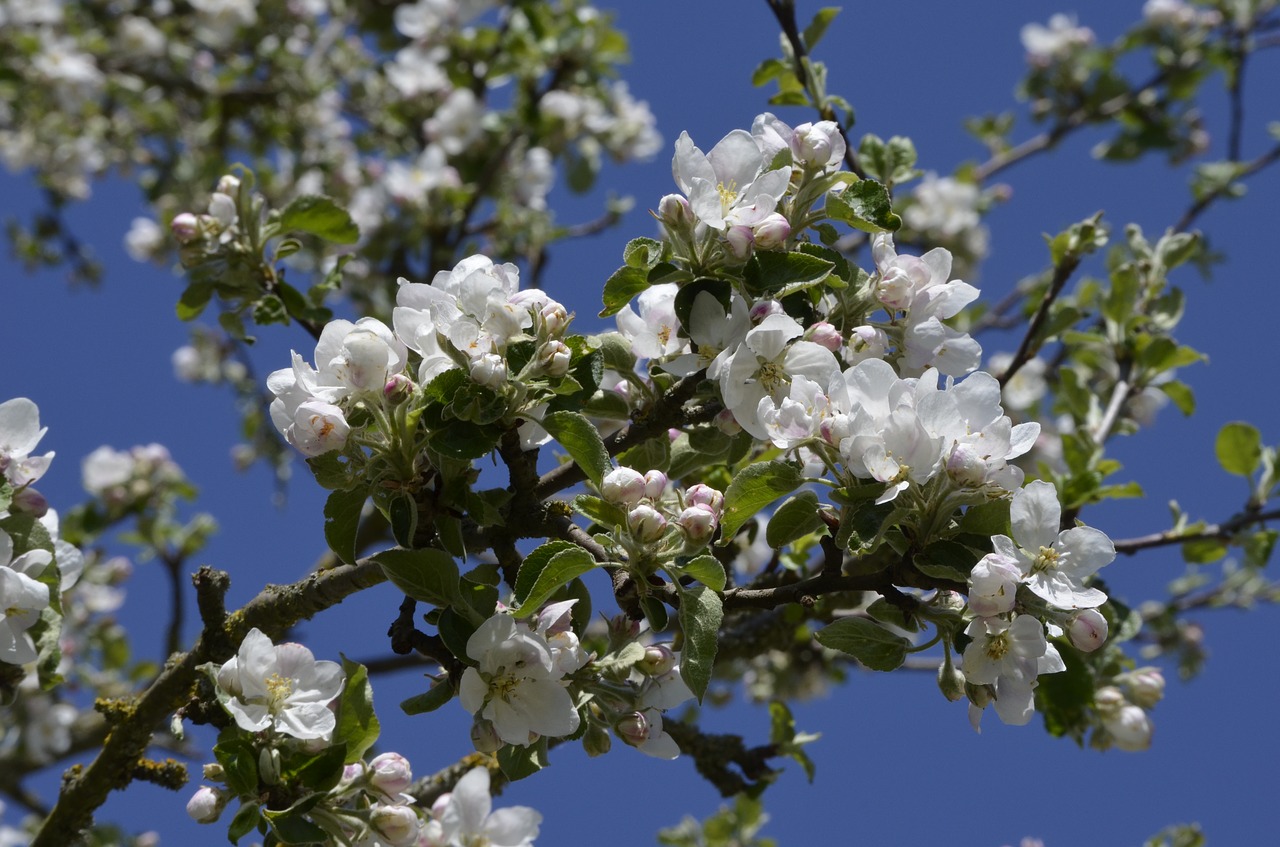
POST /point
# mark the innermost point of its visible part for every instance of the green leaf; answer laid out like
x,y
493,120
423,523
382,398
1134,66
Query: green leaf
x,y
245,822
402,513
194,300
239,760
520,762
783,735
358,725
795,518
642,253
1181,395
775,272
602,512
579,437
317,771
429,700
625,283
341,519
871,644
533,565
654,612
706,569
292,828
321,216
700,614
864,205
428,575
816,29
1239,448
755,487
1203,551
463,440
561,568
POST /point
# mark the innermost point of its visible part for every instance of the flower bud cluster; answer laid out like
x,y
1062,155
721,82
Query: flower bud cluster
x,y
1009,649
128,479
1123,710
659,516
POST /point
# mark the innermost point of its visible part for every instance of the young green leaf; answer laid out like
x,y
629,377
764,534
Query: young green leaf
x,y
871,644
754,488
321,216
1239,448
341,519
358,725
581,440
428,575
561,568
700,614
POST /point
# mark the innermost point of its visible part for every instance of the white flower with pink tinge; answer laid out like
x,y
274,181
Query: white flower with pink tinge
x,y
280,687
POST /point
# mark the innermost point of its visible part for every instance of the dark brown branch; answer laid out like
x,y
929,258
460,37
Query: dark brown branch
x,y
1061,273
1222,531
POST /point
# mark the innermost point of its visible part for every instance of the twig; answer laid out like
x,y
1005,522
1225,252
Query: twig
x,y
1224,530
1061,273
1198,208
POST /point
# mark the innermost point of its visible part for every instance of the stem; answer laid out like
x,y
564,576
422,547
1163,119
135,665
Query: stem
x,y
1027,349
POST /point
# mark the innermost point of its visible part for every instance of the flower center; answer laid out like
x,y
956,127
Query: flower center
x,y
1046,560
278,690
728,195
997,646
772,376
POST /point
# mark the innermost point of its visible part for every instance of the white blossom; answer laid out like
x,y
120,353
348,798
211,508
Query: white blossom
x,y
468,818
1059,40
653,331
280,687
728,185
20,432
515,683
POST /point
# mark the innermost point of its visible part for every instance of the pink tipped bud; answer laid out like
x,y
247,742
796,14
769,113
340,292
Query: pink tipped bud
x,y
633,728
698,524
31,502
623,486
206,805
646,524
555,318
655,483
739,239
185,227
1088,630
390,773
817,144
772,232
658,660
726,422
826,335
704,495
675,213
764,309
398,388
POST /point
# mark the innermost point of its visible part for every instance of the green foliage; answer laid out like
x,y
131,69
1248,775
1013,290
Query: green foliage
x,y
358,727
700,614
427,575
341,519
1239,448
865,640
547,574
755,487
579,437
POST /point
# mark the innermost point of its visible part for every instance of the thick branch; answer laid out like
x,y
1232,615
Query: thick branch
x,y
276,609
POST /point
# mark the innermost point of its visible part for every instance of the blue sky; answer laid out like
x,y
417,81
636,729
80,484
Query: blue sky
x,y
897,764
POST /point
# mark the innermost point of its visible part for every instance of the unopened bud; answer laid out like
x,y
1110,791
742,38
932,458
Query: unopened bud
x,y
979,695
1146,686
398,388
817,144
397,824
489,370
826,335
764,309
213,772
951,681
699,524
966,467
228,184
739,240
646,523
772,232
596,740
269,765
484,736
1088,630
633,728
623,486
31,502
554,358
555,319
390,773
704,495
1130,728
658,660
185,227
206,805
222,209
655,483
675,213
726,422
1108,698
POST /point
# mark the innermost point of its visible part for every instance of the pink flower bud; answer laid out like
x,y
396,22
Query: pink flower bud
x,y
817,144
1108,699
772,232
206,805
726,422
398,388
390,774
698,524
555,318
633,729
185,227
704,495
1088,630
658,660
397,824
764,309
31,502
646,523
675,213
966,467
826,335
655,483
623,486
739,240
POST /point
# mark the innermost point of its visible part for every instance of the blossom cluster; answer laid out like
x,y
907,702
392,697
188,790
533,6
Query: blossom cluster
x,y
466,318
1009,649
655,507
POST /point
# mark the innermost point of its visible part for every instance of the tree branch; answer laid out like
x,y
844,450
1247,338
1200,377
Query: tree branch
x,y
1061,273
1221,531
